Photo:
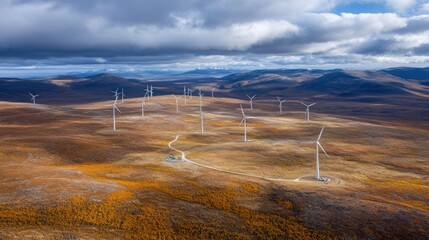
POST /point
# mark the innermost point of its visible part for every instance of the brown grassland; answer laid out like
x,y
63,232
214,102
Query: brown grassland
x,y
66,175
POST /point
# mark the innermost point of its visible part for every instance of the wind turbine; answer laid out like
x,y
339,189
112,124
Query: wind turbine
x,y
317,154
251,101
199,90
33,97
190,92
114,108
307,111
147,94
280,104
212,92
151,91
122,96
177,102
201,114
244,120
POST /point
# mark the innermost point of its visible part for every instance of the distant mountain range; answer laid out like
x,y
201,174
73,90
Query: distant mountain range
x,y
421,74
211,71
398,81
408,82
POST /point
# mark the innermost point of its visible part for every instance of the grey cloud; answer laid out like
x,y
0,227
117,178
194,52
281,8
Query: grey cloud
x,y
375,47
422,50
415,24
81,31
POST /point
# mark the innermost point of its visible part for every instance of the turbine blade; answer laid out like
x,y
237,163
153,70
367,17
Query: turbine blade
x,y
278,99
241,123
303,104
320,145
242,111
117,109
320,134
247,96
311,104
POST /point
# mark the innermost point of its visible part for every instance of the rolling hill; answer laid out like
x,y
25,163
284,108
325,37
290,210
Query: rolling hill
x,y
291,82
346,84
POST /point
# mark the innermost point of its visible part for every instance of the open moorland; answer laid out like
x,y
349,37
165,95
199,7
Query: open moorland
x,y
67,175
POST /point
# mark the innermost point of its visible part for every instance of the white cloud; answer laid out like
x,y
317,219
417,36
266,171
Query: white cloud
x,y
100,60
401,5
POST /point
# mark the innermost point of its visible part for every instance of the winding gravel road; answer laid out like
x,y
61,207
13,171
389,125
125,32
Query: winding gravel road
x,y
230,172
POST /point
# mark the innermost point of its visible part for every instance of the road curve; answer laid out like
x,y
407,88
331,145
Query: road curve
x,y
230,172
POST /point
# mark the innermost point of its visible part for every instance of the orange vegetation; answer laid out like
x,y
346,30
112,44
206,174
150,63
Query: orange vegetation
x,y
123,210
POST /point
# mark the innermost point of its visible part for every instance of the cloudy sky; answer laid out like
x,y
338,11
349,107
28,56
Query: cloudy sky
x,y
186,34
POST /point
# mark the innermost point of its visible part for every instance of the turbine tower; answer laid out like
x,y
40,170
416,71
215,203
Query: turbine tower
x,y
212,92
114,108
251,101
33,97
244,120
307,111
317,155
122,96
177,102
143,104
201,114
184,93
280,104
151,91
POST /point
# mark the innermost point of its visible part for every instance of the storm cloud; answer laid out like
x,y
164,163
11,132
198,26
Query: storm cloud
x,y
166,31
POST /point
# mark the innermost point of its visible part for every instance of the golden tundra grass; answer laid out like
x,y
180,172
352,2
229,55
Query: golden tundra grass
x,y
117,184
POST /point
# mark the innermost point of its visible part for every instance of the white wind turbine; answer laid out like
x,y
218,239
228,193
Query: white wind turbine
x,y
307,111
114,108
122,96
199,91
212,92
244,120
147,93
151,91
177,102
33,97
190,91
251,101
280,104
317,154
